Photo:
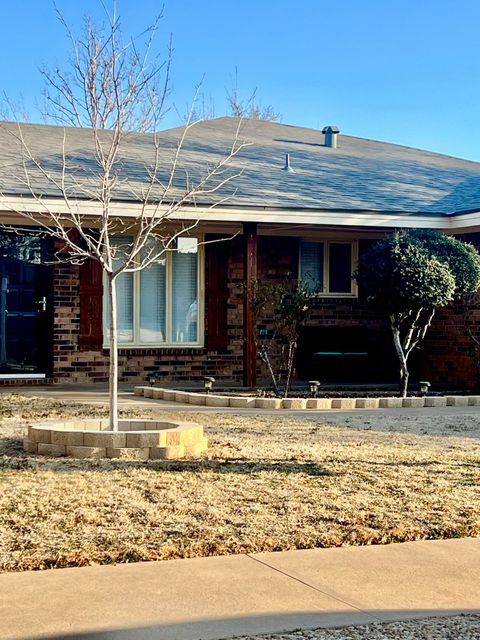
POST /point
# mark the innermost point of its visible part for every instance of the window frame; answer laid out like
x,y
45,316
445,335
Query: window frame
x,y
326,242
168,343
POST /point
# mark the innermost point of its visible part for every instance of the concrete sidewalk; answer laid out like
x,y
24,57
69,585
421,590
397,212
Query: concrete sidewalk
x,y
209,598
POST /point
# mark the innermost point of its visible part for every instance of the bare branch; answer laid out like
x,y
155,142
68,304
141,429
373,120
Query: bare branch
x,y
115,89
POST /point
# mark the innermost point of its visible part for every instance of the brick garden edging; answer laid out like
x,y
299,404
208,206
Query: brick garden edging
x,y
252,402
135,439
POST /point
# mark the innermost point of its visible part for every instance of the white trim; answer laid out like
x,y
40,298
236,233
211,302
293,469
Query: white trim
x,y
15,205
326,242
23,376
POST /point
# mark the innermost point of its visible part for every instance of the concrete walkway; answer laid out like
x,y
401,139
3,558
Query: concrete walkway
x,y
209,598
98,395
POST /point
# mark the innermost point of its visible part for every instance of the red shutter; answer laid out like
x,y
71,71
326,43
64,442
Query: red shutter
x,y
217,294
91,306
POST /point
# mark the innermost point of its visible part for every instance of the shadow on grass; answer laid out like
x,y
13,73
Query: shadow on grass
x,y
13,457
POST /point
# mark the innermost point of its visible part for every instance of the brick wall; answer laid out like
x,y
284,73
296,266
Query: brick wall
x,y
450,355
447,356
185,364
277,258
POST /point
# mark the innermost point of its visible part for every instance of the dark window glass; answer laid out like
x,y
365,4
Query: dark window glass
x,y
340,267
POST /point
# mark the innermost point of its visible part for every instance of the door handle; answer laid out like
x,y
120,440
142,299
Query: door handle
x,y
42,303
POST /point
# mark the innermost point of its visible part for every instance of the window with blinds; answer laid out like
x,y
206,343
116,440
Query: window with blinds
x,y
159,305
326,267
184,293
153,302
311,265
124,284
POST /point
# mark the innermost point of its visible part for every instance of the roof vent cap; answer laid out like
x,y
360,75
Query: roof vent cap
x,y
331,136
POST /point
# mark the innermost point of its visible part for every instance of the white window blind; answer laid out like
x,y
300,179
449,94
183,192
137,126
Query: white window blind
x,y
124,289
159,304
311,265
185,292
153,302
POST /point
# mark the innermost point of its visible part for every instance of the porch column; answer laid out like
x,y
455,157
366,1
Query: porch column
x,y
249,275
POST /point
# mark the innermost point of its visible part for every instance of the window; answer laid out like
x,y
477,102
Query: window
x,y
327,266
160,305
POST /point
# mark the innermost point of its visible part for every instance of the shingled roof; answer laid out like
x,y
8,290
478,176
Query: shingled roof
x,y
359,175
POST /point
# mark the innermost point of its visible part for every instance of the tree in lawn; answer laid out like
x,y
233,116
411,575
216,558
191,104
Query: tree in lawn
x,y
409,275
114,89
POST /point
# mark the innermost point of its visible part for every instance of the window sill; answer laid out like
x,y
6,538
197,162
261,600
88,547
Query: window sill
x,y
125,346
336,295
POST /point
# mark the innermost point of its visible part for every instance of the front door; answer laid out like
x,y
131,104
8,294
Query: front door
x,y
25,306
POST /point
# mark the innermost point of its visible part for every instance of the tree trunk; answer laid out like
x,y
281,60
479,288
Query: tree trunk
x,y
404,374
291,358
266,359
113,363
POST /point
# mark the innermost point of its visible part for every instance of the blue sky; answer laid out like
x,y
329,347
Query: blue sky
x,y
397,70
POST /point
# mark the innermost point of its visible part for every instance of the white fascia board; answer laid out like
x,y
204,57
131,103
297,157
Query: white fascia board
x,y
465,220
22,204
320,218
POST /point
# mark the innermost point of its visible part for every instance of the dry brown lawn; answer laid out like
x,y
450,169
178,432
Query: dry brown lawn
x,y
266,483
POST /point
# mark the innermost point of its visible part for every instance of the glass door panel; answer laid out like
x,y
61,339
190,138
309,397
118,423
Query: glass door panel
x,y
25,305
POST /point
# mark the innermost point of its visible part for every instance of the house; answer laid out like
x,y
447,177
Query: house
x,y
301,202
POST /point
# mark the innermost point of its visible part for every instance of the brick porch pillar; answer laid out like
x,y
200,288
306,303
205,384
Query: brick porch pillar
x,y
249,275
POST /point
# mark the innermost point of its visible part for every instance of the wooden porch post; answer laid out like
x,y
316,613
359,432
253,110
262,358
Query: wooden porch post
x,y
249,276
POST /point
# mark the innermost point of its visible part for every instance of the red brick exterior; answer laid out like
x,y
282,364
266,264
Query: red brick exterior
x,y
186,364
448,355
277,258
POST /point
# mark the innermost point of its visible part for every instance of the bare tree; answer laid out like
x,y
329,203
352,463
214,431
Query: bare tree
x,y
114,89
281,308
204,108
249,107
13,109
237,106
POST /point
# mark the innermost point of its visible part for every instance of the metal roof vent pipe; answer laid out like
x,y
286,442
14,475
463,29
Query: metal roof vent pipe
x,y
331,136
287,166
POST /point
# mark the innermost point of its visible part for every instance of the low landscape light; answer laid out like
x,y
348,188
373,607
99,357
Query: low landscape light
x,y
208,383
313,385
424,387
152,378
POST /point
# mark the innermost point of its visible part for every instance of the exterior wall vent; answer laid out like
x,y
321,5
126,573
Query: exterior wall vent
x,y
331,136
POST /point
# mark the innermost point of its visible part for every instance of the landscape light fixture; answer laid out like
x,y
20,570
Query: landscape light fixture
x,y
208,383
313,384
424,387
152,378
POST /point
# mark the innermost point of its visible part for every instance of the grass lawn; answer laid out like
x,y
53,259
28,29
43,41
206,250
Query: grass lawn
x,y
266,483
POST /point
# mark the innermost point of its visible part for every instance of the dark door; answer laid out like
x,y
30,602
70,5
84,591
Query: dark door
x,y
25,305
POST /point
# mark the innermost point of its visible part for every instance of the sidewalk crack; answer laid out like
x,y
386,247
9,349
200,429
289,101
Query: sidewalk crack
x,y
311,586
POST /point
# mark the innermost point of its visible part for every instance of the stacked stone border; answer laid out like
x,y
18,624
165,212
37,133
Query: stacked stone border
x,y
252,402
134,440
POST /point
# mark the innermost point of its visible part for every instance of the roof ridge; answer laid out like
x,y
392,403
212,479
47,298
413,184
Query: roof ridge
x,y
255,121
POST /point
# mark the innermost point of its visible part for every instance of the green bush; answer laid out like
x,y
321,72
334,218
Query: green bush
x,y
411,273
